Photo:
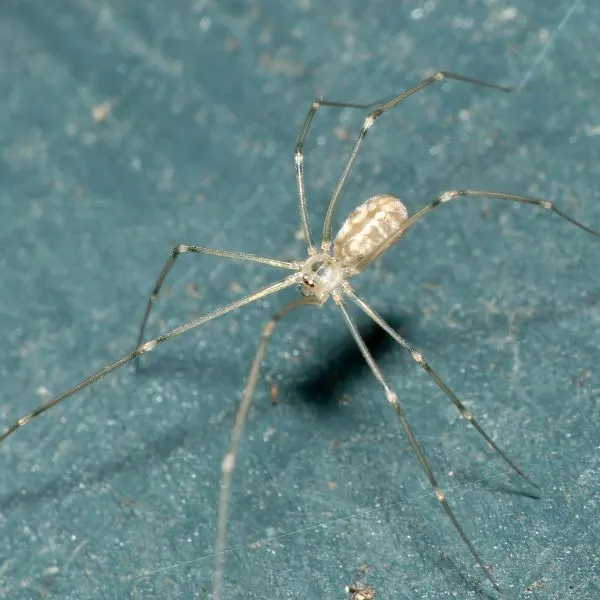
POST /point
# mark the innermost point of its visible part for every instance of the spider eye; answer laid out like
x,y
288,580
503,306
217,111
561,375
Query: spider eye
x,y
308,281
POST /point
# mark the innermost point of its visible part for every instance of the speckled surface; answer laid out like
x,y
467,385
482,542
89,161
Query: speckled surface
x,y
127,127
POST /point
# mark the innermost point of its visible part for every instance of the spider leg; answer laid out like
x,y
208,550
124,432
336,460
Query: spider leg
x,y
479,194
228,463
422,362
149,346
299,160
184,248
370,121
393,399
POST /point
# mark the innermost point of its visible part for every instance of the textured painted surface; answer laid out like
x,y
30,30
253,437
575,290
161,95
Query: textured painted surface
x,y
127,127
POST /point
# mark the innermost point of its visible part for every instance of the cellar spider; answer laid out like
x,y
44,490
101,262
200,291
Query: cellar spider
x,y
367,233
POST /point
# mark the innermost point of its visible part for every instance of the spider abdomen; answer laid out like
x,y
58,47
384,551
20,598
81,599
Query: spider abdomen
x,y
367,230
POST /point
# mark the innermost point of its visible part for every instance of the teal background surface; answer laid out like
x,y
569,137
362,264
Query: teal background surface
x,y
127,127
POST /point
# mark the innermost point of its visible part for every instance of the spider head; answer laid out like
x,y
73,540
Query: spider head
x,y
320,275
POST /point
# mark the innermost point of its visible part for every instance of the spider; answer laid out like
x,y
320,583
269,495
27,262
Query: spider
x,y
325,273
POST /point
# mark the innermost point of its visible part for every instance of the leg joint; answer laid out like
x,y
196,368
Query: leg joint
x,y
269,328
370,121
228,463
24,420
147,347
447,196
418,357
392,398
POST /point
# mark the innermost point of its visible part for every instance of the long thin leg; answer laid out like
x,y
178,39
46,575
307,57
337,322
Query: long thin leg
x,y
184,248
422,362
479,194
229,459
393,399
149,346
299,160
369,122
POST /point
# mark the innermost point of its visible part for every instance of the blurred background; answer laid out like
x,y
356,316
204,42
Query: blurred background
x,y
128,127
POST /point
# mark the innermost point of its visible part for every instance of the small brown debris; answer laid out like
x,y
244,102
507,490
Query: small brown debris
x,y
538,584
360,591
101,112
582,378
274,394
192,290
341,133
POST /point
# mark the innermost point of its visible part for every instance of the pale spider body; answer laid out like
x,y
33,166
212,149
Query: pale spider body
x,y
367,233
363,236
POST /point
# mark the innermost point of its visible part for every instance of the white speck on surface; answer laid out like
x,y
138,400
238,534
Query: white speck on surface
x,y
268,434
508,14
592,130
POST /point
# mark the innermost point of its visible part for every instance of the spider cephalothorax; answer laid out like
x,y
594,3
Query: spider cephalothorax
x,y
321,274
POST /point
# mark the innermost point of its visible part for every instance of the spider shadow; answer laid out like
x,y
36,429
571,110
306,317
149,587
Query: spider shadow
x,y
326,382
514,486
